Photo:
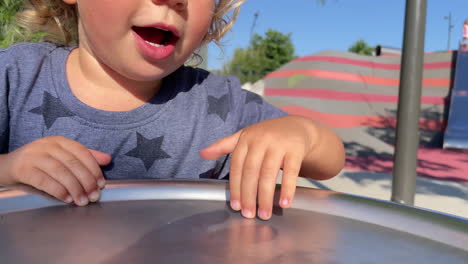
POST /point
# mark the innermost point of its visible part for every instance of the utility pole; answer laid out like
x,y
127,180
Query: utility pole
x,y
450,26
254,23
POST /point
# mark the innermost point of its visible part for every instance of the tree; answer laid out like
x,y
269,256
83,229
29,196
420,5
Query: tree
x,y
262,56
10,32
361,47
7,28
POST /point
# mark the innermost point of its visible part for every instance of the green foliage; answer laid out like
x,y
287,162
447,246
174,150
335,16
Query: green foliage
x,y
262,56
10,33
8,10
361,47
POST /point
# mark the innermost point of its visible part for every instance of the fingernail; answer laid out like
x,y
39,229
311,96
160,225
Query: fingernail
x,y
284,202
247,213
68,199
262,213
83,200
235,205
101,183
94,196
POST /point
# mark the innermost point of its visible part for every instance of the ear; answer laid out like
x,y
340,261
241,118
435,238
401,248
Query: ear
x,y
70,2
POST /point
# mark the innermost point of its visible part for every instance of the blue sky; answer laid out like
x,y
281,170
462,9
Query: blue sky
x,y
340,23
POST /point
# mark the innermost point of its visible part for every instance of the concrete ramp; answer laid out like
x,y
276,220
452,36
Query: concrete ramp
x,y
456,134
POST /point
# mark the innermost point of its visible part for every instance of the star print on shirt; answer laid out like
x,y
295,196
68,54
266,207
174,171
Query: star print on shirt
x,y
214,173
51,109
219,106
148,150
3,142
209,174
253,97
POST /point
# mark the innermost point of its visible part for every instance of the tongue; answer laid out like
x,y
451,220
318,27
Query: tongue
x,y
152,35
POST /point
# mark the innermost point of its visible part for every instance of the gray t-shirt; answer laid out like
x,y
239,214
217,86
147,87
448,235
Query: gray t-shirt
x,y
160,139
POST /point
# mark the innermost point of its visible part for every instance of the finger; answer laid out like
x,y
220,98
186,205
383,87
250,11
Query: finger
x,y
102,158
291,167
83,156
267,182
59,172
235,176
41,181
79,170
221,147
249,183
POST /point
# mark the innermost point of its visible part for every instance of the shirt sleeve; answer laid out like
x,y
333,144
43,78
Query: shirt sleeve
x,y
251,107
4,88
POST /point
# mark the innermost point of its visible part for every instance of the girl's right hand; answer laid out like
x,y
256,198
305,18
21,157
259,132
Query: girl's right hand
x,y
58,166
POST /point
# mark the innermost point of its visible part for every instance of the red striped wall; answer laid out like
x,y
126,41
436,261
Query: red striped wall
x,y
345,96
370,64
351,121
350,77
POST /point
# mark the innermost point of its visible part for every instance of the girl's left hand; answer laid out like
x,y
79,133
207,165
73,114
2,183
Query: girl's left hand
x,y
258,153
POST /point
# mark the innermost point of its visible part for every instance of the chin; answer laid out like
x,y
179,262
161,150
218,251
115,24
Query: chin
x,y
160,71
147,73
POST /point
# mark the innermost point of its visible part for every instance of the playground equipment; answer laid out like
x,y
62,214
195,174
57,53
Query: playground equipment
x,y
190,222
456,133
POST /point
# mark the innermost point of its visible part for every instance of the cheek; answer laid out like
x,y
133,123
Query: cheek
x,y
102,17
198,29
200,17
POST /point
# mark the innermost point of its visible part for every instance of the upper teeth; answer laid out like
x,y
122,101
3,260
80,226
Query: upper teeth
x,y
153,44
162,29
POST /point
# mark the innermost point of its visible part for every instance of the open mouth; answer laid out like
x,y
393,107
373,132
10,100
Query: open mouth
x,y
156,37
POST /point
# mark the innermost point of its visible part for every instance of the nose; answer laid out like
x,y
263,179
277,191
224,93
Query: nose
x,y
175,4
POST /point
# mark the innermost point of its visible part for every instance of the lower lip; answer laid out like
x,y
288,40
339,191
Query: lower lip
x,y
157,53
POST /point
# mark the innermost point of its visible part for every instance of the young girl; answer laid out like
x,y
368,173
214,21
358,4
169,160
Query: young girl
x,y
121,105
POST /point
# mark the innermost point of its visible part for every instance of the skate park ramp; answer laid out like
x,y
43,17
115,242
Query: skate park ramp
x,y
456,134
357,96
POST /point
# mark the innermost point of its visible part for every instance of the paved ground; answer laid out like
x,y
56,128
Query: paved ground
x,y
439,195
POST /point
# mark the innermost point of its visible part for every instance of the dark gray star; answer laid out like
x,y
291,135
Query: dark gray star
x,y
219,106
108,167
253,97
209,174
148,150
214,173
51,109
3,142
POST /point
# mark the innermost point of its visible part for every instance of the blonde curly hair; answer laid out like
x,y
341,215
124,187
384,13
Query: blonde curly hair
x,y
60,20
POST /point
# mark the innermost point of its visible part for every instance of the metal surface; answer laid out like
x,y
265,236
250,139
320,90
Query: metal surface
x,y
456,133
409,103
190,222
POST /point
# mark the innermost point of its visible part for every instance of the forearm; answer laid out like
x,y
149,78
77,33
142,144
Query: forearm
x,y
326,157
4,179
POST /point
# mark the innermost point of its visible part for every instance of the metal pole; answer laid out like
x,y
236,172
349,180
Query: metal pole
x,y
254,23
450,26
409,103
449,30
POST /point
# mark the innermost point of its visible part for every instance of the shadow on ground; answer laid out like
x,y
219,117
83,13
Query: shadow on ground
x,y
366,158
372,165
423,185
